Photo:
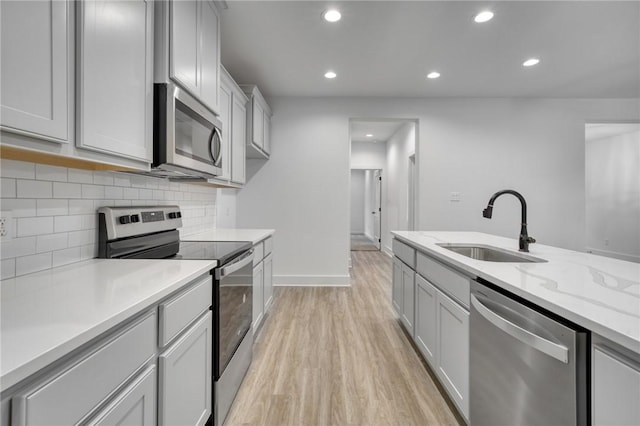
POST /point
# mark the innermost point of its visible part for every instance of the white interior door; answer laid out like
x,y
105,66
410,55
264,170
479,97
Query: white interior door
x,y
377,212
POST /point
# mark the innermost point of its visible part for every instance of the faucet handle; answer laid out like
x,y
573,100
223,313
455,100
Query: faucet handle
x,y
531,240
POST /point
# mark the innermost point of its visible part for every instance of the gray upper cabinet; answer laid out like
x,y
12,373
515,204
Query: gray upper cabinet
x,y
188,51
115,78
36,70
226,112
258,123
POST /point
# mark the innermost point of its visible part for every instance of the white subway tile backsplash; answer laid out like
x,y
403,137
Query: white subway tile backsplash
x,y
7,268
67,223
80,176
51,242
17,169
30,226
55,173
92,191
81,207
19,207
66,256
34,189
8,188
67,190
33,263
54,210
52,207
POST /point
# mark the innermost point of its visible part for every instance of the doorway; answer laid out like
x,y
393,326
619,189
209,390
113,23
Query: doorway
x,y
366,209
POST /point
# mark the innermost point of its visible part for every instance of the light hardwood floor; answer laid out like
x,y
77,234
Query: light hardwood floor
x,y
337,356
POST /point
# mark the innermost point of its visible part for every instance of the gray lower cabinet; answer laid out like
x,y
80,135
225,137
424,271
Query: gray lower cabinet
x,y
134,406
615,385
262,281
115,380
268,281
184,389
403,293
396,290
258,294
425,324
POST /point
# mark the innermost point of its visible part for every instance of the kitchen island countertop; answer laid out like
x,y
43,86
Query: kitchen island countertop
x,y
598,293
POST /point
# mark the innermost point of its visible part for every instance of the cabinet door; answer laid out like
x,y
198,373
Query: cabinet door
x,y
136,405
616,389
426,317
268,282
453,351
408,297
35,67
238,139
396,290
226,104
266,130
185,377
258,295
116,77
184,44
257,133
210,55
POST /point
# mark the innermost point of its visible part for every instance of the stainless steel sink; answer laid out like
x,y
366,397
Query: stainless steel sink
x,y
490,254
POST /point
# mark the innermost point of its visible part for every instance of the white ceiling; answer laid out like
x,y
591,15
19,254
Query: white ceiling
x,y
595,131
386,48
381,130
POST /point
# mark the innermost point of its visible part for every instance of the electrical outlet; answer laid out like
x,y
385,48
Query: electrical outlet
x,y
454,197
5,225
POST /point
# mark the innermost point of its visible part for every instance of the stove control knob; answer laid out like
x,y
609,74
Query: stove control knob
x,y
173,215
124,220
179,215
135,218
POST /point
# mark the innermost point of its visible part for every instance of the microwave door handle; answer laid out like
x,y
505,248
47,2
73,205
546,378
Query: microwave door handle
x,y
216,145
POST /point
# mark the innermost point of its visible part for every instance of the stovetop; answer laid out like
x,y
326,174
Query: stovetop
x,y
222,251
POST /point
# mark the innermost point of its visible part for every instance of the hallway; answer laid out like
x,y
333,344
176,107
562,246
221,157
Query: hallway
x,y
337,356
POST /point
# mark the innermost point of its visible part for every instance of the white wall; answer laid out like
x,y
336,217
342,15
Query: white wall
x,y
471,146
357,201
613,196
368,155
54,211
399,147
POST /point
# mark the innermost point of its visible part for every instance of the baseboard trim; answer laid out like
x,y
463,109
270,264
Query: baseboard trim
x,y
312,280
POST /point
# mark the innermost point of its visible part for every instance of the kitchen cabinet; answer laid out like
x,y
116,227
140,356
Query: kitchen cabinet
x,y
188,50
36,68
404,293
437,318
233,116
185,376
135,406
262,281
258,123
426,324
115,78
615,384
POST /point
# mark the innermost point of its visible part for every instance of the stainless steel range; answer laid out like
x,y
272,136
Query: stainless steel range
x,y
151,233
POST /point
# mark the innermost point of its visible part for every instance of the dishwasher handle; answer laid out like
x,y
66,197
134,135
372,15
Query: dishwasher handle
x,y
559,352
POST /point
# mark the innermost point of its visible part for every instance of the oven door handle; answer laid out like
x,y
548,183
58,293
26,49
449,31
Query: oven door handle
x,y
237,264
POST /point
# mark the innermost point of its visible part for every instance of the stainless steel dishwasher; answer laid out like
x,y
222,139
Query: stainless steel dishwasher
x,y
525,368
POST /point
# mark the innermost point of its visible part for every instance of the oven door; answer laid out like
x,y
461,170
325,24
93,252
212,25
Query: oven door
x,y
232,305
187,135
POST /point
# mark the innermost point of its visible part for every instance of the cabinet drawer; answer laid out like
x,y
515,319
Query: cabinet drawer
x,y
73,394
176,314
268,246
258,253
404,252
449,281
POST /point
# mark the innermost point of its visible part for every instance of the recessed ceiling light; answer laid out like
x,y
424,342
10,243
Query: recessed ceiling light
x,y
433,74
369,135
483,16
531,62
330,74
331,15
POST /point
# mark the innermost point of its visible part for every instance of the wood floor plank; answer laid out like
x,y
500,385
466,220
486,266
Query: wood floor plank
x,y
338,356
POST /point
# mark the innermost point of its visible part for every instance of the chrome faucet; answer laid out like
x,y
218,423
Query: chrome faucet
x,y
524,239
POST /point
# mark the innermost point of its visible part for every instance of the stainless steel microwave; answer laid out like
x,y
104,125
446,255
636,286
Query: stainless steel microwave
x,y
186,136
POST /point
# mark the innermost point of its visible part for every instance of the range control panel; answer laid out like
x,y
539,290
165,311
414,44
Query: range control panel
x,y
121,222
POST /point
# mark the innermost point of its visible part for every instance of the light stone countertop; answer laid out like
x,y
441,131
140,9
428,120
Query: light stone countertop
x,y
599,293
48,314
252,235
